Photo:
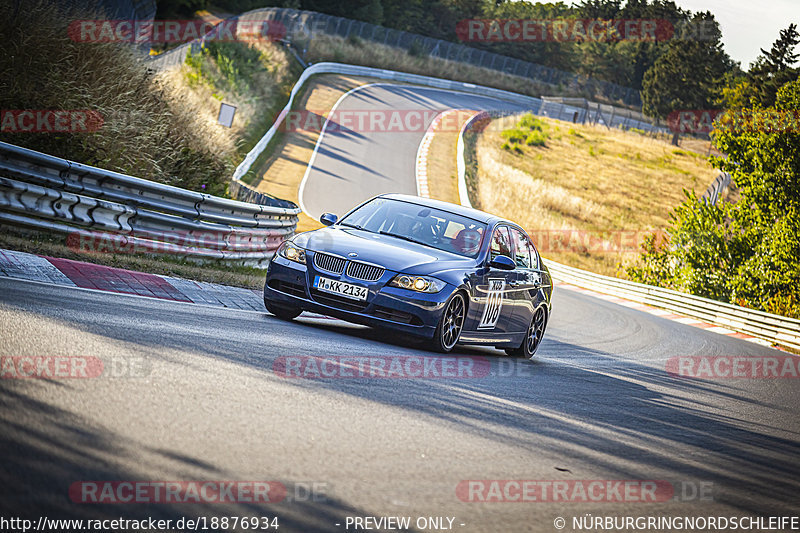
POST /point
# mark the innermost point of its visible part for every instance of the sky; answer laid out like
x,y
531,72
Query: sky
x,y
748,25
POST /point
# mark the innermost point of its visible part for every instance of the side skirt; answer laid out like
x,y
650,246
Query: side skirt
x,y
492,339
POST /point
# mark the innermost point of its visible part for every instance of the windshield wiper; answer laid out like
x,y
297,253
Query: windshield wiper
x,y
356,226
409,239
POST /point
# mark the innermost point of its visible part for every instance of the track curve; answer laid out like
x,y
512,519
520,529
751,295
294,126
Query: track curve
x,y
349,166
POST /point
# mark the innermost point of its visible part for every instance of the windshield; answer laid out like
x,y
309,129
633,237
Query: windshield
x,y
428,226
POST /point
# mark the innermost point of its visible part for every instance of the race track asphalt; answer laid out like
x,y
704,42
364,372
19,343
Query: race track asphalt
x,y
198,393
206,403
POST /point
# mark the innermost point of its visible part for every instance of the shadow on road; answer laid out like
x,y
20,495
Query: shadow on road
x,y
590,407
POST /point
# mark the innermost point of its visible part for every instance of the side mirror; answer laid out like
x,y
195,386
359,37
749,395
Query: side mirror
x,y
502,262
328,219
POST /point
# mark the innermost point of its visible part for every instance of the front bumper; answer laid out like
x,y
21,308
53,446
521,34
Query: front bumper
x,y
410,312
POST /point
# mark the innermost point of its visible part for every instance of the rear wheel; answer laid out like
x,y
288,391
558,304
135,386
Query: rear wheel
x,y
450,324
283,312
533,337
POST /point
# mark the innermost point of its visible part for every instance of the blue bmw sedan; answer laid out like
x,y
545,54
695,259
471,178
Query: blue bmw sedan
x,y
447,273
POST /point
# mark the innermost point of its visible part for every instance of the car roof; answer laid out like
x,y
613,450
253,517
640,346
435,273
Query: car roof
x,y
469,212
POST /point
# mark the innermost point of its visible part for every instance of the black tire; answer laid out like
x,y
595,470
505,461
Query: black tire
x,y
533,337
284,313
451,323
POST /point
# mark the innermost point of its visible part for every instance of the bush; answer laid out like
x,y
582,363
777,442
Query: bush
x,y
514,135
536,138
531,122
238,64
529,130
746,253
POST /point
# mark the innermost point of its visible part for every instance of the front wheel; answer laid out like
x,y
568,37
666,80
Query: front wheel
x,y
284,313
450,324
533,337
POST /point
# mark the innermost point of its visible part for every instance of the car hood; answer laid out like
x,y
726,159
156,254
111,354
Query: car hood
x,y
389,252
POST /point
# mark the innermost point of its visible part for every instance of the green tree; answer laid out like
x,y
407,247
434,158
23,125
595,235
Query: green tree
x,y
560,55
774,68
371,11
409,15
735,91
688,74
625,62
600,9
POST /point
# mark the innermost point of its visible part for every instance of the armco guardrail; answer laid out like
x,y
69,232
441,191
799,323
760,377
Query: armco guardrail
x,y
461,163
717,186
109,210
773,328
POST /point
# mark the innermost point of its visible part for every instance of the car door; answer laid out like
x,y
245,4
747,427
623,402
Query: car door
x,y
492,288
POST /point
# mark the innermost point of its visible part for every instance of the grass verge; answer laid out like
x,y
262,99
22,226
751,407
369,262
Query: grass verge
x,y
595,180
442,157
158,126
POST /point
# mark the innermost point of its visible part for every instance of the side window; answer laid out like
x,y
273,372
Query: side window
x,y
523,256
501,243
534,256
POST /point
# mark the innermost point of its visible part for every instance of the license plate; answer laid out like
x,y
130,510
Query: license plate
x,y
348,290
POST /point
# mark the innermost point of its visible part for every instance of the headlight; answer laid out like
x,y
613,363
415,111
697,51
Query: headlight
x,y
292,252
417,283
